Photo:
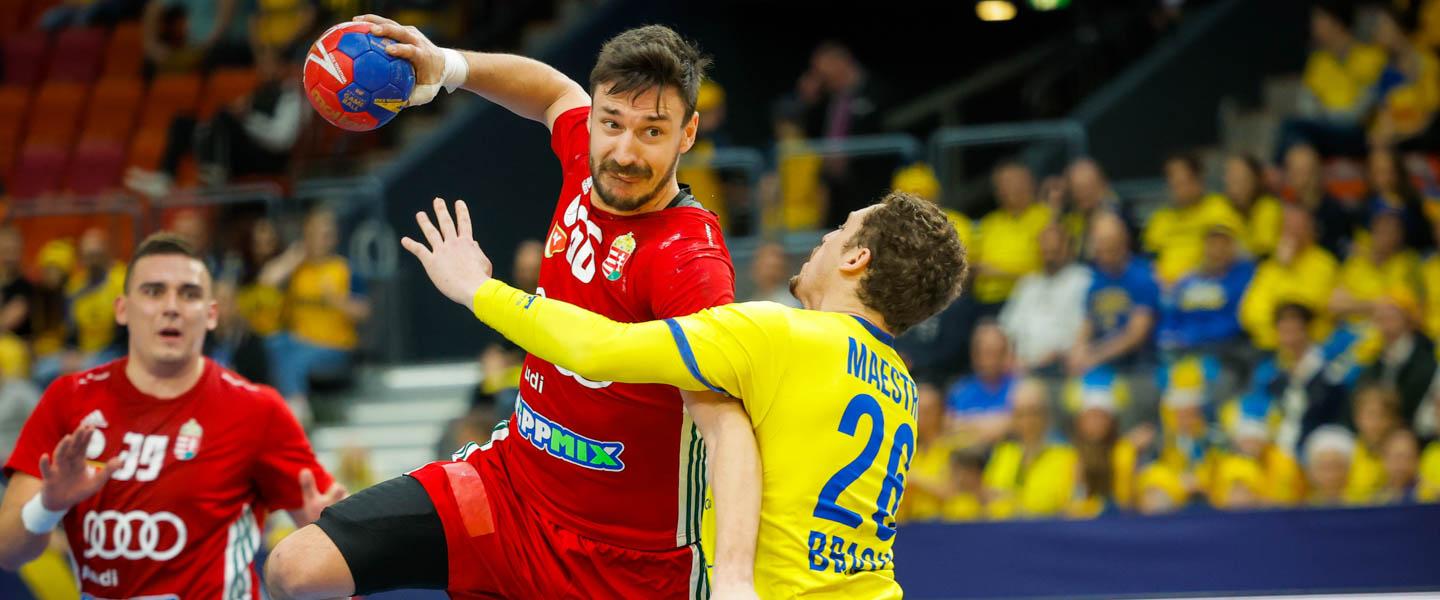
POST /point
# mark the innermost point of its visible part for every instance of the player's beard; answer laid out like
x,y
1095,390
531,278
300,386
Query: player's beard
x,y
628,203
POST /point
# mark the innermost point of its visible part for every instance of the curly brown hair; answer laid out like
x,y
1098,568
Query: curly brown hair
x,y
653,56
917,262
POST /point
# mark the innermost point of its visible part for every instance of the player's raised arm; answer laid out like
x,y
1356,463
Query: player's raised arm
x,y
525,86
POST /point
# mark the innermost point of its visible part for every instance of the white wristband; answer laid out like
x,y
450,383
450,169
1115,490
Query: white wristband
x,y
454,74
38,519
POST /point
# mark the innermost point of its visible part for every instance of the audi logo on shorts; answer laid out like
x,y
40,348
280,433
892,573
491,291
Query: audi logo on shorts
x,y
132,535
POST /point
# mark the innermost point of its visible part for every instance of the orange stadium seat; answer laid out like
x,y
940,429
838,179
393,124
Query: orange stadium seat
x,y
24,62
169,95
125,55
113,105
55,115
147,149
96,166
38,170
225,86
14,100
11,15
76,55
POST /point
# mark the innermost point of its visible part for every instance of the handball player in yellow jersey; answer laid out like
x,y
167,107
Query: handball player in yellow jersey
x,y
830,400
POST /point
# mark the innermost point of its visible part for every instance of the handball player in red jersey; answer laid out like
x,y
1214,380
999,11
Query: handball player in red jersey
x,y
592,489
162,465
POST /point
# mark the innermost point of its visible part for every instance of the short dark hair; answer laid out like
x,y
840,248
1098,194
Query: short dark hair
x,y
653,56
1292,310
1190,161
1343,11
917,262
162,244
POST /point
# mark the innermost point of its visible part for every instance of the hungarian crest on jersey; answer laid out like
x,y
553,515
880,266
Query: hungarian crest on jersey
x,y
187,444
620,251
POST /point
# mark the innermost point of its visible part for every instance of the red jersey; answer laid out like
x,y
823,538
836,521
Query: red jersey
x,y
619,463
182,517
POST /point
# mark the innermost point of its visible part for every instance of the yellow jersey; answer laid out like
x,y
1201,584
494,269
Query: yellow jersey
x,y
92,308
1042,486
1005,244
313,315
1428,490
833,408
1309,279
1177,235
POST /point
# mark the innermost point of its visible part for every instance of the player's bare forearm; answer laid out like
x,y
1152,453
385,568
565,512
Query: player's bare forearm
x,y
17,545
736,482
524,86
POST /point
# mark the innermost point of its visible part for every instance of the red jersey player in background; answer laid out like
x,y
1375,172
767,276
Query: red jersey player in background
x,y
162,465
594,489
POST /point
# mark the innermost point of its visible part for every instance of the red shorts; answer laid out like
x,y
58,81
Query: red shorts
x,y
500,548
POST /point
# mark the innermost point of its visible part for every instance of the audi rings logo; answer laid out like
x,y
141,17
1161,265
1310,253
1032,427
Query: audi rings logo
x,y
132,535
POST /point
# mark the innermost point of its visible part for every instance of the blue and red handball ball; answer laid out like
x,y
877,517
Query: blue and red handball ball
x,y
352,82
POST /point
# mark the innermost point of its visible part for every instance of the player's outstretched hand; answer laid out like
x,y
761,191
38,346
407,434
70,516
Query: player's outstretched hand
x,y
66,476
314,502
411,45
455,263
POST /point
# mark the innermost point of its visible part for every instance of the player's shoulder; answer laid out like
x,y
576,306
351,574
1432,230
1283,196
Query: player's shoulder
x,y
234,385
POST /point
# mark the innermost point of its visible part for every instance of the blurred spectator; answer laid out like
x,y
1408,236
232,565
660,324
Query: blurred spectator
x,y
1306,382
980,405
500,367
91,296
183,35
1339,76
1121,307
1406,363
1328,453
1239,485
1374,267
282,26
1430,288
842,99
1107,460
526,270
1201,313
709,185
770,276
1031,475
795,198
83,13
259,303
49,318
1408,89
1176,234
1392,190
1282,482
1299,272
1429,487
1190,448
1090,194
192,225
324,302
1004,248
967,472
1402,465
1159,491
919,179
1336,220
1245,189
1047,308
252,137
1377,415
16,295
930,490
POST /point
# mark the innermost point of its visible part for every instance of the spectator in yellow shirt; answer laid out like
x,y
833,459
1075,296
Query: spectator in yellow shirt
x,y
1428,489
15,299
928,484
1245,189
1239,484
1281,481
1031,475
1328,453
1300,272
793,194
1374,267
1376,411
1408,88
1160,491
1004,246
1402,466
1189,443
91,295
1430,290
1339,76
1176,234
324,303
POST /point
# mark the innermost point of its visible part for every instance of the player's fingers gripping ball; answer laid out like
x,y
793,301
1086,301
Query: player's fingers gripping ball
x,y
352,82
